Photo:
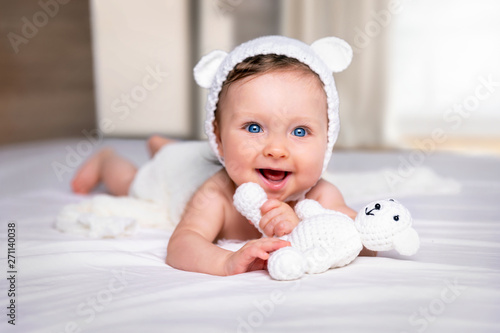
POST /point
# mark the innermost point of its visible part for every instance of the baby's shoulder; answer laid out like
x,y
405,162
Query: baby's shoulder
x,y
219,188
211,200
325,192
322,186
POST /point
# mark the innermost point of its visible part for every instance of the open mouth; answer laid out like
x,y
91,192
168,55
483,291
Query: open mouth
x,y
273,175
275,179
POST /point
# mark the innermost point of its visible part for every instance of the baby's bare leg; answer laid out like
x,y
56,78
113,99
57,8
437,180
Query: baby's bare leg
x,y
106,166
156,142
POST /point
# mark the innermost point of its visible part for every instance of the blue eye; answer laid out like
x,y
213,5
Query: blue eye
x,y
299,131
254,128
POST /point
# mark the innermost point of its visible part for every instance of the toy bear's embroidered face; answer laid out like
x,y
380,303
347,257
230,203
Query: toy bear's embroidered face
x,y
386,224
386,212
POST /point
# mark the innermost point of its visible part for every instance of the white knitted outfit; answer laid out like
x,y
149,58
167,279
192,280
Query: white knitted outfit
x,y
157,196
173,175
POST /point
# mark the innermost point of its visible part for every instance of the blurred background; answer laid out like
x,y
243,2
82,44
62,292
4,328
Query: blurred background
x,y
425,74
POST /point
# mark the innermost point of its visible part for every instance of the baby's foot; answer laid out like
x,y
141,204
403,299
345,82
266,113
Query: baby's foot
x,y
88,176
156,142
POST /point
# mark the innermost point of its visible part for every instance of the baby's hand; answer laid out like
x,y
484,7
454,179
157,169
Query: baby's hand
x,y
253,255
278,218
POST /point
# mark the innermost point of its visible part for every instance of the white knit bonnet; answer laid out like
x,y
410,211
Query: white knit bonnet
x,y
324,57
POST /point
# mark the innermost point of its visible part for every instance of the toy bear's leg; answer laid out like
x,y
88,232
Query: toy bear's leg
x,y
319,260
287,263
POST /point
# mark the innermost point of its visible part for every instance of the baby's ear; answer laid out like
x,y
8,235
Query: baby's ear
x,y
205,69
217,138
334,52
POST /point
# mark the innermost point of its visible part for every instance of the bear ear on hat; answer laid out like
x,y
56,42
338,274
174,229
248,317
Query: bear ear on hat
x,y
205,69
336,53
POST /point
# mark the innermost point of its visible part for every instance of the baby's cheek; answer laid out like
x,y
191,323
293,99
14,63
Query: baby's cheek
x,y
310,175
312,164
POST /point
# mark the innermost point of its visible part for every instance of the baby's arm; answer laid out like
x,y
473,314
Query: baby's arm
x,y
189,250
190,247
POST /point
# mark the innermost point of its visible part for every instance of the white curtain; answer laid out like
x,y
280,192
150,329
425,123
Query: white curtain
x,y
362,87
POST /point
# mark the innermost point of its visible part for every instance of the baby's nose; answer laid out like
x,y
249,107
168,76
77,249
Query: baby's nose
x,y
276,148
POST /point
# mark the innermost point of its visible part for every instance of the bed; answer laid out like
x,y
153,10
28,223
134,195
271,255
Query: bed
x,y
70,283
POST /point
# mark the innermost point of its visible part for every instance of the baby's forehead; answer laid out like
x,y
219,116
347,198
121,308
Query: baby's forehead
x,y
268,85
309,80
304,74
285,94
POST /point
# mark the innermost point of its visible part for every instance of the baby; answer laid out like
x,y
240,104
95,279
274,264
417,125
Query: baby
x,y
272,119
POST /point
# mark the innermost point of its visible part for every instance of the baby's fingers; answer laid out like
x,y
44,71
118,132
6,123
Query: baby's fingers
x,y
270,205
268,221
279,220
283,228
253,255
268,245
252,251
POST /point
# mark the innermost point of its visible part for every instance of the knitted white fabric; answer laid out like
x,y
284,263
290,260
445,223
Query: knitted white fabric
x,y
107,216
326,239
157,196
247,199
385,225
324,56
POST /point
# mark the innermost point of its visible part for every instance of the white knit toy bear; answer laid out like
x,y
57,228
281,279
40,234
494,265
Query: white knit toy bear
x,y
326,239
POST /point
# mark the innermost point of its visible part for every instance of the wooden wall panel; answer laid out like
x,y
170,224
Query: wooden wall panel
x,y
46,80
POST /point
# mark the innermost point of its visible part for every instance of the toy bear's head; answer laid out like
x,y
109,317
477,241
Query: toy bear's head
x,y
385,225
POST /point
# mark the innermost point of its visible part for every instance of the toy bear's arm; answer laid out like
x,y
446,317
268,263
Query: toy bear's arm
x,y
247,199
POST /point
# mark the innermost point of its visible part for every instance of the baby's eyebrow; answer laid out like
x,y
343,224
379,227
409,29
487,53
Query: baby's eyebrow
x,y
307,120
246,116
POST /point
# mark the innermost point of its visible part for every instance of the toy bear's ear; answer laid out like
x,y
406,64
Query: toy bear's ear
x,y
308,208
407,242
205,69
334,52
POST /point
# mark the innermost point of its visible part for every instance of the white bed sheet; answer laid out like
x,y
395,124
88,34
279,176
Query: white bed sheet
x,y
68,283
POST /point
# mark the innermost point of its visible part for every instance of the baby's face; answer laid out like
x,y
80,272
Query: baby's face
x,y
272,131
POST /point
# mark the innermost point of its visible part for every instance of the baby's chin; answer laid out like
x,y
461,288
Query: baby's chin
x,y
288,197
